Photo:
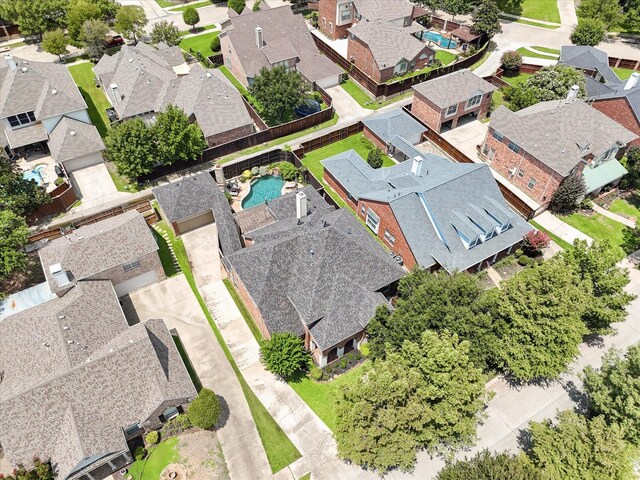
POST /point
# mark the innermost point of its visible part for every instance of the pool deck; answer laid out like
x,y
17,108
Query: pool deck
x,y
48,173
245,188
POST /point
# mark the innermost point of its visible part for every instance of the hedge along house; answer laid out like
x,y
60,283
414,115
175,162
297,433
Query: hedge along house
x,y
121,249
312,271
80,386
394,132
433,213
536,148
442,102
140,81
274,37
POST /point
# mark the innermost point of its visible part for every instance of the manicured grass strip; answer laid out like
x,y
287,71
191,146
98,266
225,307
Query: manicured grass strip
x,y
243,310
122,183
364,100
165,4
166,257
528,22
279,449
95,98
545,10
561,243
205,3
187,363
600,227
159,456
199,43
624,208
306,477
552,51
516,79
321,397
198,30
525,52
16,44
446,57
623,73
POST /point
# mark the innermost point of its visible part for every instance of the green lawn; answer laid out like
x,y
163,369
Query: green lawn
x,y
279,449
159,456
187,363
623,73
553,51
165,4
166,257
600,227
306,477
95,98
625,208
561,243
525,52
205,3
364,100
198,30
529,22
257,334
321,397
515,79
545,10
446,57
122,183
199,43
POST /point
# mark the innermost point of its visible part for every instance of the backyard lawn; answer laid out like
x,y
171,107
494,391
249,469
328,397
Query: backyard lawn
x,y
552,51
560,242
321,397
600,227
95,98
364,100
626,209
445,57
160,456
515,79
166,257
199,43
623,73
545,10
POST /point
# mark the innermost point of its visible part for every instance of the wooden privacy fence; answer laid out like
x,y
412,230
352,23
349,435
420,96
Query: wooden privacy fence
x,y
624,63
399,86
61,199
328,138
144,207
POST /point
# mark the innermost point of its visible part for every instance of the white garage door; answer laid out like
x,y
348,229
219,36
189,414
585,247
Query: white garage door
x,y
195,222
82,162
135,283
329,82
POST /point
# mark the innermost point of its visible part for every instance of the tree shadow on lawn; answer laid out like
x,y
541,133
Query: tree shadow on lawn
x,y
630,240
94,113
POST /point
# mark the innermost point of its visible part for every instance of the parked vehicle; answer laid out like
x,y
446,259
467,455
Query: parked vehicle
x,y
113,41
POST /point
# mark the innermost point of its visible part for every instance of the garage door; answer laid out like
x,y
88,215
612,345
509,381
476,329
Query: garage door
x,y
82,162
329,82
135,283
195,222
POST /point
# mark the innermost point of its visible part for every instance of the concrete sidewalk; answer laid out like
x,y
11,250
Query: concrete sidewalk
x,y
174,302
614,216
559,228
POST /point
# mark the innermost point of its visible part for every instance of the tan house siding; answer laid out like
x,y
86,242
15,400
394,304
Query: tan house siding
x,y
231,60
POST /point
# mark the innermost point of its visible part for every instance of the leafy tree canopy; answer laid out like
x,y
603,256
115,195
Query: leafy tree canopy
x,y
165,32
178,139
34,16
568,194
13,238
491,466
374,158
130,20
20,196
609,12
588,31
55,42
425,395
78,13
204,411
93,35
131,146
237,5
41,471
457,7
190,16
277,92
549,83
485,19
631,162
284,355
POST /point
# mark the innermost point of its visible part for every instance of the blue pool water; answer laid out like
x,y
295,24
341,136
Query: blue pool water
x,y
264,188
438,39
33,175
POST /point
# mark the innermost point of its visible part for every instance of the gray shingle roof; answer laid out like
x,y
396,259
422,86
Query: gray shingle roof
x,y
26,135
560,133
323,272
47,89
285,36
393,123
588,58
430,207
97,247
453,88
72,139
147,81
632,95
69,388
228,234
384,10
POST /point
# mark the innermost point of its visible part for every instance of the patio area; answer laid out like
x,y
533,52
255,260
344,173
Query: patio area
x,y
467,136
43,167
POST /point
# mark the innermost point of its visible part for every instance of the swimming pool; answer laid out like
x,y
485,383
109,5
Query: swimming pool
x,y
438,39
34,175
264,188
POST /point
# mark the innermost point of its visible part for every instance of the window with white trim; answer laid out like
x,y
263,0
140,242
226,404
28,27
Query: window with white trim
x,y
390,239
133,264
520,172
532,183
401,67
475,100
330,27
21,119
362,209
345,16
451,110
372,221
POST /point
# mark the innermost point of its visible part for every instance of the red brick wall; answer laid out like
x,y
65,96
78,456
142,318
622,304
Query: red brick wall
x,y
333,183
375,140
327,12
230,135
434,117
505,160
230,55
317,353
618,109
248,302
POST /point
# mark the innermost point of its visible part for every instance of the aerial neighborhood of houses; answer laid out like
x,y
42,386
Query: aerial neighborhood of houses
x,y
326,239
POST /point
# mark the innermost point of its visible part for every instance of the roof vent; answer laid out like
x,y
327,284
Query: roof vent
x,y
70,342
66,327
572,94
130,60
416,166
24,69
72,133
54,92
301,205
632,81
208,74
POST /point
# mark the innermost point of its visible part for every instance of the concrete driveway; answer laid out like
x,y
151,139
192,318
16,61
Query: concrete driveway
x,y
174,302
466,137
94,186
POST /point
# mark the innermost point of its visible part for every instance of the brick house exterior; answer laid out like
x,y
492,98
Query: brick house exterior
x,y
448,98
620,110
327,14
148,262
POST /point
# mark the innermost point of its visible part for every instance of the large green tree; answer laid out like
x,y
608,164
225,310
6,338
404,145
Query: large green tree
x,y
55,42
190,16
577,448
491,466
436,301
427,394
40,471
588,31
131,146
485,19
457,7
614,390
204,412
130,20
93,35
165,32
277,92
237,5
17,194
566,197
284,355
79,12
13,238
177,138
632,163
542,307
609,12
34,16
603,280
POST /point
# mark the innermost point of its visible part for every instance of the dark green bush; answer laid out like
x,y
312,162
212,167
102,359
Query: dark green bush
x,y
518,253
524,260
215,44
288,170
204,411
315,373
139,453
176,425
343,363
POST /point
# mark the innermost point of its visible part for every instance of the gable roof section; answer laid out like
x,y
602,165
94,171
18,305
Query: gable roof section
x,y
453,88
95,248
632,95
285,36
186,198
72,138
560,133
384,10
322,271
432,208
57,367
588,58
393,123
47,89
